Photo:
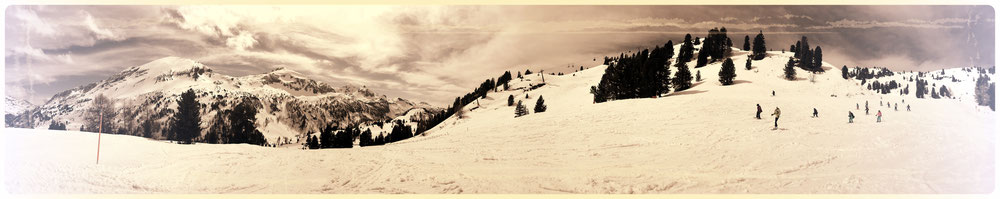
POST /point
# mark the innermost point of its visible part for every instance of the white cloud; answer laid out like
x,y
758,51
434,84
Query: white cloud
x,y
910,23
242,41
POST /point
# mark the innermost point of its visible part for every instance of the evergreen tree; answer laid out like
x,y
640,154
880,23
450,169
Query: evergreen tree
x,y
984,96
242,120
843,72
366,138
510,100
669,48
817,60
520,110
326,137
728,72
682,79
759,47
746,43
697,41
186,122
790,69
944,92
687,51
314,143
748,64
54,125
702,58
540,105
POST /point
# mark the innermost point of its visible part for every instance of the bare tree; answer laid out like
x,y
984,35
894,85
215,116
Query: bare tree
x,y
100,114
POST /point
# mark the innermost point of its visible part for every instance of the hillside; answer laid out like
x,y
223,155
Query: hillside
x,y
288,104
702,140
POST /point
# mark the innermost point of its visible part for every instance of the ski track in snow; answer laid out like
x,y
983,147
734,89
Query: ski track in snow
x,y
702,140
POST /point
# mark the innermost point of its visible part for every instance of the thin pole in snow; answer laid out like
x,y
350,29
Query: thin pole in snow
x,y
100,126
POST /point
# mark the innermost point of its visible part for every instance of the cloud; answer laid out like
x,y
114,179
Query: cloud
x,y
910,23
242,41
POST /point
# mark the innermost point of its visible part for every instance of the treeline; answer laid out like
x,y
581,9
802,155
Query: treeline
x,y
640,75
808,59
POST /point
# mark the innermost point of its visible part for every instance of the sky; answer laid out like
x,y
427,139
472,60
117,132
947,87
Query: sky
x,y
436,53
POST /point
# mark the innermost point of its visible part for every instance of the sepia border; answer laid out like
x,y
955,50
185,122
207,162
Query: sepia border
x,y
5,194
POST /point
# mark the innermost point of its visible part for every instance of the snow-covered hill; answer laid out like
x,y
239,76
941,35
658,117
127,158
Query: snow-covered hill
x,y
15,106
701,140
288,103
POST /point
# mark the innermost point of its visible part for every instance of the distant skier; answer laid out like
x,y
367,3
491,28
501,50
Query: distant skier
x,y
879,115
815,113
866,110
776,114
907,107
857,107
895,107
772,93
759,111
850,117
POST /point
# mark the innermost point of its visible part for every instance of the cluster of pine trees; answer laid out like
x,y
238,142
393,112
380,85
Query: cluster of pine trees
x,y
640,75
883,88
56,125
985,92
233,126
808,59
715,47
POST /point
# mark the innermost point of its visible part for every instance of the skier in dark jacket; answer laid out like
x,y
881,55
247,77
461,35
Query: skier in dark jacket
x,y
815,113
759,111
850,117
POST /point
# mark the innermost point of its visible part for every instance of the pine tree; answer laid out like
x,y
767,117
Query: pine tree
x,y
314,143
669,47
843,72
746,43
944,92
687,51
748,64
510,100
682,79
697,41
520,110
702,58
243,121
728,72
759,47
540,105
790,69
186,122
817,60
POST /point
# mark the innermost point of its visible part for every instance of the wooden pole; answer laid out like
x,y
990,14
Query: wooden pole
x,y
100,126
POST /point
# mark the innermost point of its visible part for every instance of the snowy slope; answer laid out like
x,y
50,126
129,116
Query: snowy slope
x,y
288,103
703,140
15,106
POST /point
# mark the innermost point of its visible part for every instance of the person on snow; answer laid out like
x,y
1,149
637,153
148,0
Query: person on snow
x,y
866,110
895,107
815,113
772,93
907,107
759,111
857,107
850,117
776,114
879,115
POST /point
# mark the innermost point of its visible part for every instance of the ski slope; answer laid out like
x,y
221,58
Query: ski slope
x,y
702,140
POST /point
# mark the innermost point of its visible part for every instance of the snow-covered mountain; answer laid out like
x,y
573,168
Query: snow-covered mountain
x,y
288,103
14,106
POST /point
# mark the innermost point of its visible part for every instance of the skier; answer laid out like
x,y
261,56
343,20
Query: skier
x,y
815,113
879,114
772,93
907,107
759,111
866,110
850,117
857,107
776,114
895,107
